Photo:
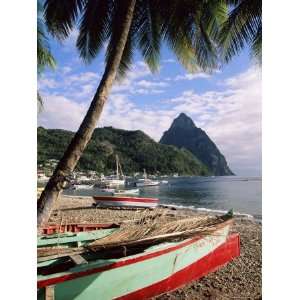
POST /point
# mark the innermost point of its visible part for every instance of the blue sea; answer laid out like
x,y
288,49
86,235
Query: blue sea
x,y
217,194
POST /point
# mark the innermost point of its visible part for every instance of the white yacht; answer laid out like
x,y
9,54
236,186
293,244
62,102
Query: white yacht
x,y
143,182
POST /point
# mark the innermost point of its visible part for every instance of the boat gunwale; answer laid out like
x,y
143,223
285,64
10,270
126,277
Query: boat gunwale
x,y
127,260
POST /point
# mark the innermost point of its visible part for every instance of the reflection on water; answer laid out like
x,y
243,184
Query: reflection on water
x,y
243,194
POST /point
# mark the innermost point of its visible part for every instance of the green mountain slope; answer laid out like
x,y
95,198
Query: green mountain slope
x,y
136,151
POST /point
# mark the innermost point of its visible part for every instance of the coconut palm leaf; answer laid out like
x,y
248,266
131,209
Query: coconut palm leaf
x,y
93,29
243,27
188,27
148,25
61,16
44,56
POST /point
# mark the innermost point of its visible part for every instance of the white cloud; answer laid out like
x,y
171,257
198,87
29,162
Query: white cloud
x,y
45,82
169,60
132,85
151,84
66,70
82,78
60,112
190,76
147,91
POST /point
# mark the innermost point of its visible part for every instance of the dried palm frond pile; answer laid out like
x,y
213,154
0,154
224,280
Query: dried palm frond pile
x,y
154,227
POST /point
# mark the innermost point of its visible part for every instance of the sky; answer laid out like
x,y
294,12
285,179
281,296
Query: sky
x,y
225,104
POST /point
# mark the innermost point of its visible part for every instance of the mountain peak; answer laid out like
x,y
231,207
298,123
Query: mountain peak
x,y
183,133
183,121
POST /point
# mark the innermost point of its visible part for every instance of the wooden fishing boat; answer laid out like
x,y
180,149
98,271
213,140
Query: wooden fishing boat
x,y
72,239
135,269
122,201
62,228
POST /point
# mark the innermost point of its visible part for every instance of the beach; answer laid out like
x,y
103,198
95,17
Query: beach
x,y
239,279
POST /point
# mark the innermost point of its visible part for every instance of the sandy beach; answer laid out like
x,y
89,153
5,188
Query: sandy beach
x,y
239,279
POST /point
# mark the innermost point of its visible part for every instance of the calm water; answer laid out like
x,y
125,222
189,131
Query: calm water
x,y
243,194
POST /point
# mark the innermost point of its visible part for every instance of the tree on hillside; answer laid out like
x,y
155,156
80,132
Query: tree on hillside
x,y
243,27
190,29
44,56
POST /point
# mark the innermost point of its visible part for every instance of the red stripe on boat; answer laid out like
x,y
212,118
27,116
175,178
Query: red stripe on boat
x,y
128,199
209,263
55,280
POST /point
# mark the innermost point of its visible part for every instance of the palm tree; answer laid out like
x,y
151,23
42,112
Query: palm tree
x,y
44,56
243,27
189,27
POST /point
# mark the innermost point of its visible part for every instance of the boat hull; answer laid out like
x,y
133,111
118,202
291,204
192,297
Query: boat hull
x,y
83,187
142,184
145,275
113,182
126,201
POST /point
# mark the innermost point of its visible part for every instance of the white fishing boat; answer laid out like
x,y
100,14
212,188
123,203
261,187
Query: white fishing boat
x,y
83,186
112,192
127,192
144,182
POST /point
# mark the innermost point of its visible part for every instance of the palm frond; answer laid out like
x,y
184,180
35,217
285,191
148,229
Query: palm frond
x,y
256,49
44,56
208,22
61,15
148,26
190,29
94,28
177,31
241,28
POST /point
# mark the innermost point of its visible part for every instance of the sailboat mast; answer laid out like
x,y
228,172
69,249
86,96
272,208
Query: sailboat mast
x,y
117,163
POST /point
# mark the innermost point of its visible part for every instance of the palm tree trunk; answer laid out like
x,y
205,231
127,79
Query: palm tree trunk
x,y
83,135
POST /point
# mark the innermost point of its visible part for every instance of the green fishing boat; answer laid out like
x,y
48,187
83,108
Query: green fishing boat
x,y
132,262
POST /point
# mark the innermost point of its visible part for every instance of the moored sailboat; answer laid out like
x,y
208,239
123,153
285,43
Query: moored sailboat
x,y
114,180
145,181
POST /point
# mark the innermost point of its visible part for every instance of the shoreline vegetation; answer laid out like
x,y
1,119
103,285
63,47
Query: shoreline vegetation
x,y
239,279
136,150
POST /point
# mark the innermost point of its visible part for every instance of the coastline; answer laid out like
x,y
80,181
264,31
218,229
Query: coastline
x,y
239,279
